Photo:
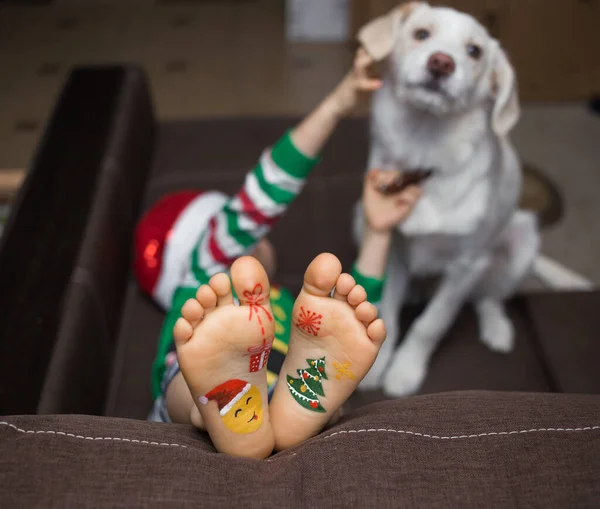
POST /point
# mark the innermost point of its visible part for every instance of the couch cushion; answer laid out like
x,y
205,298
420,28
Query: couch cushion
x,y
568,339
473,449
462,362
129,392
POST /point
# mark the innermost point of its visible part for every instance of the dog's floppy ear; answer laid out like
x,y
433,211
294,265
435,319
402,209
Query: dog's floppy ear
x,y
377,36
506,111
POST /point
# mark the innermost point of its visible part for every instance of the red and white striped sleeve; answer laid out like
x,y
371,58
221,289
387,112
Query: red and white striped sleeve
x,y
248,216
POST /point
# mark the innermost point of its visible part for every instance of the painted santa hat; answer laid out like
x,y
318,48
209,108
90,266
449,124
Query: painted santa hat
x,y
165,238
227,394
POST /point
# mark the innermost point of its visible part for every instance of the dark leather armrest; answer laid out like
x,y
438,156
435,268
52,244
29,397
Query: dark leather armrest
x,y
65,253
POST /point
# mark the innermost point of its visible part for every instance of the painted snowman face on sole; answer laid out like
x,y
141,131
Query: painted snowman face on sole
x,y
240,405
247,414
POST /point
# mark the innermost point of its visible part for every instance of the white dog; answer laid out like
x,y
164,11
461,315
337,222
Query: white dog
x,y
448,101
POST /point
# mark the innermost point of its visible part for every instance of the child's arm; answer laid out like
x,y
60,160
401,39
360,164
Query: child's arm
x,y
313,132
382,213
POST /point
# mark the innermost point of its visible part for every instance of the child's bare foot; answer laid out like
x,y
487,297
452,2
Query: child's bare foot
x,y
222,351
333,344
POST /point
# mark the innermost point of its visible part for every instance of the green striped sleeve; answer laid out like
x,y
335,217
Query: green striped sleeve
x,y
373,286
199,273
233,227
277,194
290,159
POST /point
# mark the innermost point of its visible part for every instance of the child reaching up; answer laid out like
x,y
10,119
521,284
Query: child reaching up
x,y
334,341
213,357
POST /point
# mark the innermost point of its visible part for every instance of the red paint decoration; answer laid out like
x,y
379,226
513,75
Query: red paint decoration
x,y
309,321
254,300
259,355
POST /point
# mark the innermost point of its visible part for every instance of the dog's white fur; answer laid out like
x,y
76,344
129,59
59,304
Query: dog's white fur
x,y
466,228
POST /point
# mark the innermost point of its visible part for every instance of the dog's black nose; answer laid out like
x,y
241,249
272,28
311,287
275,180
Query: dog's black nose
x,y
441,64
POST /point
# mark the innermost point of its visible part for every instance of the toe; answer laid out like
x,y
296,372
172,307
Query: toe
x,y
322,274
207,297
366,312
357,296
344,284
192,311
250,281
221,285
182,331
376,332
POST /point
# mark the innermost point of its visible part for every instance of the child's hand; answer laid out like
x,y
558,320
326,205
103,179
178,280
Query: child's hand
x,y
383,212
347,94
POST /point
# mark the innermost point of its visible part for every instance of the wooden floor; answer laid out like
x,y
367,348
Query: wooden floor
x,y
209,58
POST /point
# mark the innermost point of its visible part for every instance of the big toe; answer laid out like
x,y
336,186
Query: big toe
x,y
322,274
250,280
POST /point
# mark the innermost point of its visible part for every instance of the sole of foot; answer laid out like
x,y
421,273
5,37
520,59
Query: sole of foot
x,y
333,344
217,343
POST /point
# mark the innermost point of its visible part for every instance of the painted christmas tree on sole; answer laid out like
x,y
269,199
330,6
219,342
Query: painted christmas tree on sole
x,y
307,388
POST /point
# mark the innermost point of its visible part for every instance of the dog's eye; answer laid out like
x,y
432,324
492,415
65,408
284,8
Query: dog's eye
x,y
474,51
421,34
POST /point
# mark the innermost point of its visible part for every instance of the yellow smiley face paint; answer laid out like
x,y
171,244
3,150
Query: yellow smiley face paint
x,y
240,405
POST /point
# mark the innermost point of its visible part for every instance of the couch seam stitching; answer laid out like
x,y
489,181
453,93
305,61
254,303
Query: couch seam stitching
x,y
365,430
82,437
455,437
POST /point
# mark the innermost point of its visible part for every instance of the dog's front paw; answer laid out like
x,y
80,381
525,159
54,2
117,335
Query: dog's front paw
x,y
371,381
374,378
406,373
498,334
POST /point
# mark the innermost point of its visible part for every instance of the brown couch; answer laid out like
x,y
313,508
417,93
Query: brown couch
x,y
77,339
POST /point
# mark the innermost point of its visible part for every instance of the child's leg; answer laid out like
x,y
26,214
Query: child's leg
x,y
216,342
174,402
333,344
179,401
